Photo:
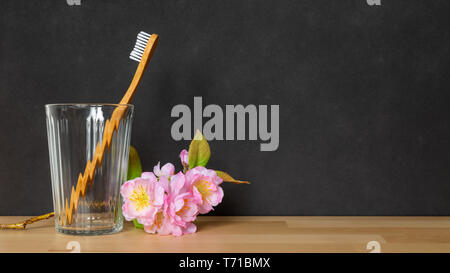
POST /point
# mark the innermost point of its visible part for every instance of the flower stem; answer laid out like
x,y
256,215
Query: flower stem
x,y
23,224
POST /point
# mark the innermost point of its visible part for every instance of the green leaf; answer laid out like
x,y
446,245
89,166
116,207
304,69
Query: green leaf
x,y
199,151
227,178
134,164
134,170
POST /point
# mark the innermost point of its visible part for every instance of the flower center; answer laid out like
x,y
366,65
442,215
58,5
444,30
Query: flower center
x,y
158,219
184,209
204,188
140,198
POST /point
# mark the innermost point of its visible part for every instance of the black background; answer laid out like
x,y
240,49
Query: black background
x,y
363,95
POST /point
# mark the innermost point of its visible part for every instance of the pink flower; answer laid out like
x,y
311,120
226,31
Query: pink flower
x,y
143,198
168,203
166,171
156,224
164,226
178,212
204,184
184,157
180,205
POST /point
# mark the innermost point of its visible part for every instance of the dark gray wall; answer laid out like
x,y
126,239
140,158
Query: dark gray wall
x,y
363,94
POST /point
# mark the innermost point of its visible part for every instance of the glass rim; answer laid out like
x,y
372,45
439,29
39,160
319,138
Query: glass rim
x,y
87,104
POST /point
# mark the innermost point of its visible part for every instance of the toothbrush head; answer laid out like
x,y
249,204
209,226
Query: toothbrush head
x,y
139,48
142,53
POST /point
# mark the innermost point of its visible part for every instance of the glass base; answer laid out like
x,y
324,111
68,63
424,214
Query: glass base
x,y
90,231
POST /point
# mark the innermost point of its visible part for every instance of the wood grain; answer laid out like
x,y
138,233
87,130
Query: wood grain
x,y
249,234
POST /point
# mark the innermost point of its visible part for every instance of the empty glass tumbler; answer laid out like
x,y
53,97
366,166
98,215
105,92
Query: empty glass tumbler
x,y
87,200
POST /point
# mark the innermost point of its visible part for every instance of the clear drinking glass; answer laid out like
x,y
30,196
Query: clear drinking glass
x,y
73,132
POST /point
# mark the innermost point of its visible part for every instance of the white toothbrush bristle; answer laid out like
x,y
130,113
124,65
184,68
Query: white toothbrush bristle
x,y
139,47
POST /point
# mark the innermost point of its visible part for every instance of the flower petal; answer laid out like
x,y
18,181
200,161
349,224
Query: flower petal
x,y
158,198
126,189
177,183
190,228
164,183
157,169
128,211
149,175
150,228
149,217
196,196
184,157
167,170
178,204
215,197
204,208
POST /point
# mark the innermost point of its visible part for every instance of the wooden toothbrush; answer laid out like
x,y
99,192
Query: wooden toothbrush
x,y
142,53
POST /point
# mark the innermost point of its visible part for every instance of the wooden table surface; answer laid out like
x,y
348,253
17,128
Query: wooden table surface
x,y
249,234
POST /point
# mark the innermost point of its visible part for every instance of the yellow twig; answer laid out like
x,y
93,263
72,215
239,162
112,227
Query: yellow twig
x,y
23,224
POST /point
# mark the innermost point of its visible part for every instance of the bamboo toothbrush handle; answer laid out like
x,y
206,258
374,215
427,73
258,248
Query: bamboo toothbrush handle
x,y
148,53
111,125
